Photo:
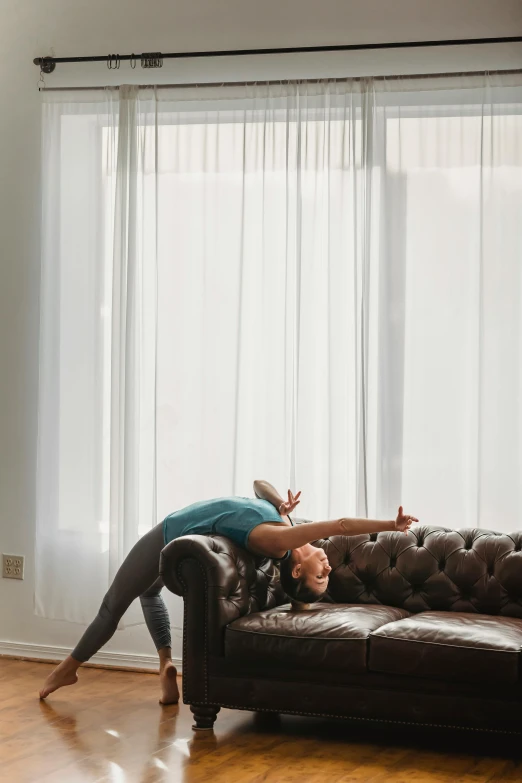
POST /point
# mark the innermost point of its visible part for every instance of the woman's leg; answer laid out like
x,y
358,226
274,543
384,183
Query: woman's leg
x,y
158,623
138,571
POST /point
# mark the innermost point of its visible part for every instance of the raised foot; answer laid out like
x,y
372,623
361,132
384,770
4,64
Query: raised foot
x,y
169,685
58,678
205,716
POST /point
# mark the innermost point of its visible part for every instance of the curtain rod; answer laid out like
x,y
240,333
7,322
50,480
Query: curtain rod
x,y
393,77
155,59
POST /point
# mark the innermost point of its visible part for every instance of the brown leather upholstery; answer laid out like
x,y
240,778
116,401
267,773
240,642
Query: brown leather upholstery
x,y
219,582
330,636
450,646
430,568
235,582
449,664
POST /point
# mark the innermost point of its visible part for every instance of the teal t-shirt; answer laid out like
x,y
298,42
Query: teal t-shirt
x,y
233,517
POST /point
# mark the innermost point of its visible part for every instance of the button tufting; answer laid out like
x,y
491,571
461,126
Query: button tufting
x,y
442,565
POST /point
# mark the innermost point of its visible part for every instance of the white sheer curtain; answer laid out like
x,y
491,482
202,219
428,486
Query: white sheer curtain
x,y
450,304
315,284
97,435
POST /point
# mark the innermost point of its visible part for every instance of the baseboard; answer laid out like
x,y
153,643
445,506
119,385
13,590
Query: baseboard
x,y
108,659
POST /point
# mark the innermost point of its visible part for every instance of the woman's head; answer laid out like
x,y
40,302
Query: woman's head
x,y
304,575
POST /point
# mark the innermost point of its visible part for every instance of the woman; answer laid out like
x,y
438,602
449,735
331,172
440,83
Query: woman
x,y
262,526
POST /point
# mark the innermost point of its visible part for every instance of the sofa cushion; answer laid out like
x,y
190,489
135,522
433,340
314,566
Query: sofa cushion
x,y
450,646
324,635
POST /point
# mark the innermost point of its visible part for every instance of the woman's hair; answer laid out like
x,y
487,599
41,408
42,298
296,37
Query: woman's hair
x,y
296,588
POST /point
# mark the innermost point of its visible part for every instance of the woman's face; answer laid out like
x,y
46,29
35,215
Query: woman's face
x,y
313,565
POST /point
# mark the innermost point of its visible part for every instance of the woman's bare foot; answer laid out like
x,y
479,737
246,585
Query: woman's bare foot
x,y
64,674
169,684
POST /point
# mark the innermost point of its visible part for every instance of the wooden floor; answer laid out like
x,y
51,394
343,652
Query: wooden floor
x,y
110,727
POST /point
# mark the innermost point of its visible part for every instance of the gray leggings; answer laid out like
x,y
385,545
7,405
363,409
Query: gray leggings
x,y
137,577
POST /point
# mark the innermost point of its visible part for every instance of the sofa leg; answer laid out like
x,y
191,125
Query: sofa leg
x,y
204,716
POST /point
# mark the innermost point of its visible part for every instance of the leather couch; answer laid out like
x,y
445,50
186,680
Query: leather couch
x,y
424,629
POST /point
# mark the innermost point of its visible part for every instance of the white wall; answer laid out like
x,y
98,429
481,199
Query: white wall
x,y
87,27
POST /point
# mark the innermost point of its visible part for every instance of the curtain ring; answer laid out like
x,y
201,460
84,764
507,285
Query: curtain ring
x,y
133,61
113,62
151,60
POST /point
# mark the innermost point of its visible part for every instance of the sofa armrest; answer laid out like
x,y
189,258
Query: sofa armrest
x,y
219,582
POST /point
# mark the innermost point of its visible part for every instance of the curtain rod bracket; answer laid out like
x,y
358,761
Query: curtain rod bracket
x,y
47,64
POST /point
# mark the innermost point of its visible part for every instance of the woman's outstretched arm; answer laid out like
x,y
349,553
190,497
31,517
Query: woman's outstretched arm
x,y
273,540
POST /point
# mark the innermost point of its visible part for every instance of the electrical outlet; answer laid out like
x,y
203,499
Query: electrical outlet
x,y
13,566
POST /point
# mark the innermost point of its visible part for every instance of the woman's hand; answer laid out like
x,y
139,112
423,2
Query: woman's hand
x,y
287,506
404,521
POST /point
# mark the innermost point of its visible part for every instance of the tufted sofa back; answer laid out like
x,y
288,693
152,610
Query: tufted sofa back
x,y
429,569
